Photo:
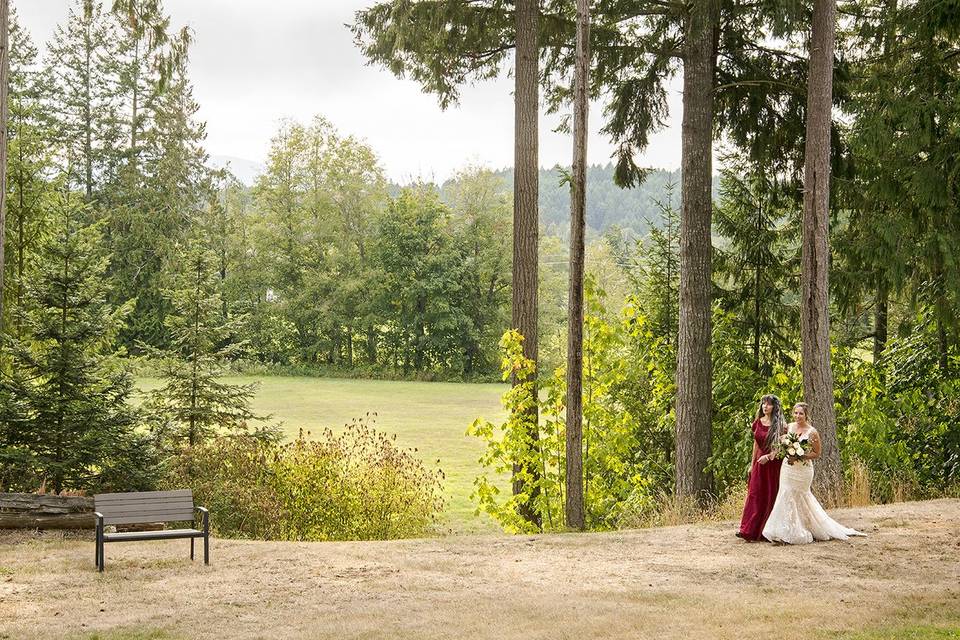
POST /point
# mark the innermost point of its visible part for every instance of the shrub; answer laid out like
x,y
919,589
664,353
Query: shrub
x,y
232,476
356,485
627,424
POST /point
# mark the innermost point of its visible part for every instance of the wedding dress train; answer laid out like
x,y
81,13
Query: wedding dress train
x,y
797,517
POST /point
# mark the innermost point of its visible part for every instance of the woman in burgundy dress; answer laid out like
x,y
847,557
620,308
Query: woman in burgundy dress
x,y
764,481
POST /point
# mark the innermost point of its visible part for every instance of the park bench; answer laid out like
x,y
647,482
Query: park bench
x,y
149,507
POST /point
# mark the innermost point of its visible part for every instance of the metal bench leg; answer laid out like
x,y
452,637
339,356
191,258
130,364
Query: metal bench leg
x,y
99,542
206,537
191,548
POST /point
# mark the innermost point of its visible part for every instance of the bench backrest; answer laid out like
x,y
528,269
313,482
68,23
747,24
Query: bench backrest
x,y
145,506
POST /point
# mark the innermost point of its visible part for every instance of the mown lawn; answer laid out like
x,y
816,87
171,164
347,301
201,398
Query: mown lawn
x,y
431,417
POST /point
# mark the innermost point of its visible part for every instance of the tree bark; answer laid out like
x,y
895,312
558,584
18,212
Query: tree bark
x,y
525,206
372,345
574,427
880,324
694,364
757,289
815,251
4,89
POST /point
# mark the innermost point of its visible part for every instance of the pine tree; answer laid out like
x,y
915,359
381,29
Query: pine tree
x,y
4,85
574,507
74,418
818,388
163,188
84,97
903,226
143,67
174,158
659,280
754,262
194,403
29,169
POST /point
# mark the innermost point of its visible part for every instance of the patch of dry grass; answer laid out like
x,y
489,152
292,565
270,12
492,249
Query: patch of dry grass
x,y
858,493
680,582
668,510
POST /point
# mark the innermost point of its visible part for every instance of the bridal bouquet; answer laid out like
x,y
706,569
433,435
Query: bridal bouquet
x,y
792,448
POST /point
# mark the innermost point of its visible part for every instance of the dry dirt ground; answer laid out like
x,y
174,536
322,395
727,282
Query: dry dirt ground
x,y
695,581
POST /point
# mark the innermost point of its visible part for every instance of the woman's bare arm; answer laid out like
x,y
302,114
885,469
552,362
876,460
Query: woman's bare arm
x,y
814,452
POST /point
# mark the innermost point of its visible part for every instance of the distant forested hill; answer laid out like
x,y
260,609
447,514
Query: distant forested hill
x,y
607,204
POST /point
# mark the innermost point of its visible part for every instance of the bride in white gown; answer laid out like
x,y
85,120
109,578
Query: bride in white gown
x,y
797,517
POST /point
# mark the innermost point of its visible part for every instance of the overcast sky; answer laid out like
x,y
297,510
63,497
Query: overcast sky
x,y
254,63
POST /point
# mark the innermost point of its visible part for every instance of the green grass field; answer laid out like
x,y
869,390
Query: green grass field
x,y
430,416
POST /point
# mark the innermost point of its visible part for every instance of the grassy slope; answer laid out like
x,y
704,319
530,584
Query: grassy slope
x,y
431,417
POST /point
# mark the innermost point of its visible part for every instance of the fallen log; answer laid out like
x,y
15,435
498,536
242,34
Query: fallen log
x,y
33,511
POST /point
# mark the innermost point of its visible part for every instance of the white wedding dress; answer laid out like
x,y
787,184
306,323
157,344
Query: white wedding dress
x,y
797,517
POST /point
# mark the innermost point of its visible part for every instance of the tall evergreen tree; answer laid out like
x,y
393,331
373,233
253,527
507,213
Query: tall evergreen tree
x,y
4,84
574,507
75,418
815,298
754,264
526,219
444,43
904,196
163,188
84,97
29,170
194,403
659,279
144,63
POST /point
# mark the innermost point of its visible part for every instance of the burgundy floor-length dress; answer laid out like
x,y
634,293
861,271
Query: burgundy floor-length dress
x,y
761,489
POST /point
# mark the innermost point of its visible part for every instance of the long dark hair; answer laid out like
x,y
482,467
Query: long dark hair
x,y
778,424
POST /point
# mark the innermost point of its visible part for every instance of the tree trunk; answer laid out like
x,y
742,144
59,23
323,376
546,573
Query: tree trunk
x,y
815,251
757,290
87,110
574,460
4,87
372,345
350,346
33,511
694,365
525,207
880,324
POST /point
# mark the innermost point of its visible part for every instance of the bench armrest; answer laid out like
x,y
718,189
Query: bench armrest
x,y
205,515
99,517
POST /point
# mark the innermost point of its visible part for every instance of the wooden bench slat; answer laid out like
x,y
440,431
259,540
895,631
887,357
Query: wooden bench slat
x,y
135,498
142,506
154,515
156,494
143,495
174,517
146,508
136,506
